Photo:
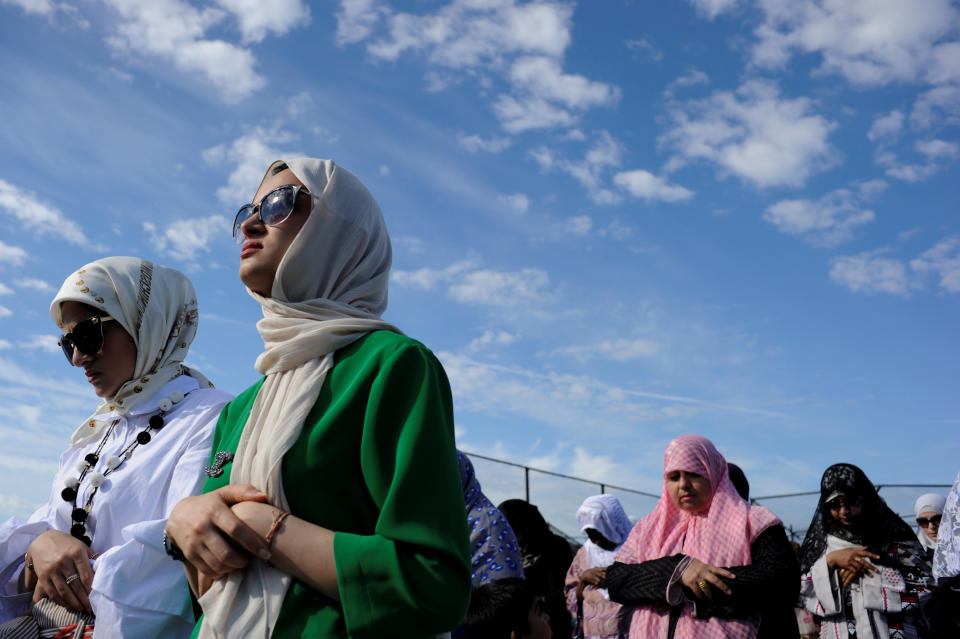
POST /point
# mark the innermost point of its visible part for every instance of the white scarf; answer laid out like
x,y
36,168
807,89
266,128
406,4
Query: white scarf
x,y
604,514
872,597
328,292
156,306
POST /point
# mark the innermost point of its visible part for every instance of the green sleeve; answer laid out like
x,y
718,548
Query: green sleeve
x,y
413,573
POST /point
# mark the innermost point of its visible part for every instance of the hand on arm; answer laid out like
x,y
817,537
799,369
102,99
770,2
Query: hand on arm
x,y
851,563
702,578
298,548
212,538
596,577
57,557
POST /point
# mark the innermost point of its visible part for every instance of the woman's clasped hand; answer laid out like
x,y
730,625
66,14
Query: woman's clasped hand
x,y
58,568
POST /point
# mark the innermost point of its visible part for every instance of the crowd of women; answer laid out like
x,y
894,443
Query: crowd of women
x,y
328,499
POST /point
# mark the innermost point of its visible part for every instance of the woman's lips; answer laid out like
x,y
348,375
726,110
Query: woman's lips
x,y
249,248
92,377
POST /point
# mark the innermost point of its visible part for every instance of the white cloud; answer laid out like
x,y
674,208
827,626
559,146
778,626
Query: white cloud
x,y
474,143
943,259
5,312
578,225
827,221
384,170
606,152
5,290
252,154
523,42
41,218
619,350
258,18
519,115
13,255
693,78
886,127
186,239
526,287
468,34
712,8
4,344
35,284
174,30
597,467
543,77
868,273
491,338
644,44
47,343
868,43
937,149
939,105
517,201
427,278
41,7
754,134
356,20
646,185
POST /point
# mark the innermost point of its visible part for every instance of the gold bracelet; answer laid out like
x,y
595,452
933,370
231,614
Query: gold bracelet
x,y
277,521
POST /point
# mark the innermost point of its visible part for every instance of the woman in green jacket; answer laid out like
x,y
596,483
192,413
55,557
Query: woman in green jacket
x,y
333,506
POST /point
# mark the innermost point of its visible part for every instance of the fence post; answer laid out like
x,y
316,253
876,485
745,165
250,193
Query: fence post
x,y
526,481
603,489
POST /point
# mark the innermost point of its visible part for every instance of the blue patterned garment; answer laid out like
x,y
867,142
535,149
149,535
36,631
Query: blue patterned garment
x,y
946,558
494,552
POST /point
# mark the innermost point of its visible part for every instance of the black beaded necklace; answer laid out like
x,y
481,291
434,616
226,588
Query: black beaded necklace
x,y
112,463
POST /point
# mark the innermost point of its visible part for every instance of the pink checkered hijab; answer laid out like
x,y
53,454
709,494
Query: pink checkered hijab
x,y
721,535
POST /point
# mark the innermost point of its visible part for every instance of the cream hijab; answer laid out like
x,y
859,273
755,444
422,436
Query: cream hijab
x,y
329,291
156,305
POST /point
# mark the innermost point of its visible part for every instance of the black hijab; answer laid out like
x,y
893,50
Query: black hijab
x,y
876,527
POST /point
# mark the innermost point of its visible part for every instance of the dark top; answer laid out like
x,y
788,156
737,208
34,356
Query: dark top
x,y
769,586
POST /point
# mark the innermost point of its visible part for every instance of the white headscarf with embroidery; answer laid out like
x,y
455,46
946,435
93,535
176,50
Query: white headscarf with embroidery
x,y
156,306
928,503
329,291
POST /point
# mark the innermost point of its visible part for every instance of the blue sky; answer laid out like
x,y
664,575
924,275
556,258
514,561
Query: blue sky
x,y
614,221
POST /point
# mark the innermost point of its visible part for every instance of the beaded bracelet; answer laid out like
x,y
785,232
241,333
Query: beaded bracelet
x,y
277,520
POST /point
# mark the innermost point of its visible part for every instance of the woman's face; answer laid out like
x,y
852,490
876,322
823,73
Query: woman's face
x,y
845,510
264,246
929,523
596,537
113,365
688,491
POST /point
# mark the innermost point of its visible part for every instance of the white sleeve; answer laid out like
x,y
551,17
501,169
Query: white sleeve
x,y
139,591
16,536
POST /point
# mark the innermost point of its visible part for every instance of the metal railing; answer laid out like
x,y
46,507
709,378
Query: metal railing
x,y
558,499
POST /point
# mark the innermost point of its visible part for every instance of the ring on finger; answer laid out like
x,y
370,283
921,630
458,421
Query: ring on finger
x,y
702,585
72,578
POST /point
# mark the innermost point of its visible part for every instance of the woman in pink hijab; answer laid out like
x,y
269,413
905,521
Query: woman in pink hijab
x,y
705,564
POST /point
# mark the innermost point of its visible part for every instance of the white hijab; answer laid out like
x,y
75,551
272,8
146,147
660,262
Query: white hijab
x,y
329,291
928,503
156,306
604,514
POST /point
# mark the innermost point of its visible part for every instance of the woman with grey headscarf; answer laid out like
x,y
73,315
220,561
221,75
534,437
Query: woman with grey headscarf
x,y
335,509
95,548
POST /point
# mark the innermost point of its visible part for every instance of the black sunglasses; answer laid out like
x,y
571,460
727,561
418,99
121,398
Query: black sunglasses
x,y
86,337
275,207
924,522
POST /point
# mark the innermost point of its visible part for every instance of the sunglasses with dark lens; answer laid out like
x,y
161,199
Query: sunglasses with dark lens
x,y
840,502
275,207
86,337
924,522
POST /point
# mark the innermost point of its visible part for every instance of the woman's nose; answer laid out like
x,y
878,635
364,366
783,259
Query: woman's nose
x,y
252,226
79,359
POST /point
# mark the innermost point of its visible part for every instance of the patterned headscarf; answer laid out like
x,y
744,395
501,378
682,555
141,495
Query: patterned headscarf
x,y
721,535
156,306
928,503
494,552
946,558
876,527
604,514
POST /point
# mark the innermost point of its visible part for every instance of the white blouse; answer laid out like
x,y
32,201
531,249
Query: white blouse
x,y
138,591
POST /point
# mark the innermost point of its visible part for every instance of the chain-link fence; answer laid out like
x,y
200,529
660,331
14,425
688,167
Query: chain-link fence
x,y
558,496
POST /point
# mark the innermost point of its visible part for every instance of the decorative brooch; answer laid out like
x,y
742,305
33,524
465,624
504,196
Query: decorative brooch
x,y
220,460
